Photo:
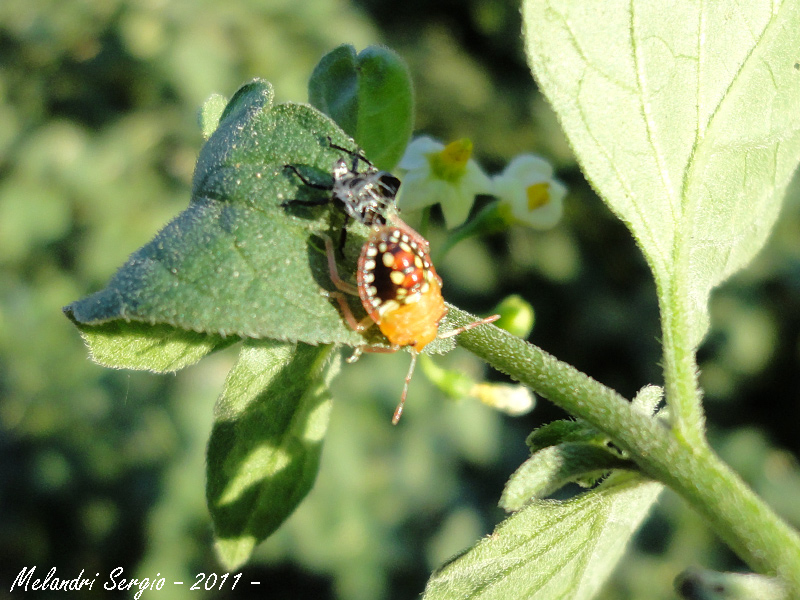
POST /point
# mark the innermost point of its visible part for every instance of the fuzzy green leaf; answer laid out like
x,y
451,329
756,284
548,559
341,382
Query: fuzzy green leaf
x,y
211,113
551,468
263,454
236,262
370,96
685,119
558,432
647,399
551,549
158,348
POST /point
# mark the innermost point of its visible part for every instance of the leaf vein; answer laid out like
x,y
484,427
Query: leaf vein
x,y
650,126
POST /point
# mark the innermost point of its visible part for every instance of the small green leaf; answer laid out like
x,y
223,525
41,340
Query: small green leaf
x,y
551,549
647,399
211,113
333,87
158,348
237,262
263,454
688,126
370,96
562,431
550,469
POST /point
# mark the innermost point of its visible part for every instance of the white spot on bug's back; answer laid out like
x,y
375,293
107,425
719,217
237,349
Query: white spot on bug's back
x,y
388,306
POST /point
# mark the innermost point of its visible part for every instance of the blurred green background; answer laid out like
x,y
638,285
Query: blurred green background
x,y
101,468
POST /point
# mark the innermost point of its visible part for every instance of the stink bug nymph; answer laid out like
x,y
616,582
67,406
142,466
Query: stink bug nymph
x,y
396,280
399,287
401,292
364,195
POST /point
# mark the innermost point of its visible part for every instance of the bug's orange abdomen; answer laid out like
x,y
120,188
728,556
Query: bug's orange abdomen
x,y
415,324
399,287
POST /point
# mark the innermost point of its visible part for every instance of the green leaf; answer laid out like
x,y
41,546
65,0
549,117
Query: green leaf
x,y
211,113
236,262
158,348
550,469
686,120
370,96
647,399
551,549
562,431
263,454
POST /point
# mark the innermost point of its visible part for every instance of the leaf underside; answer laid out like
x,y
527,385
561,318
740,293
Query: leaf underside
x,y
265,445
685,119
551,549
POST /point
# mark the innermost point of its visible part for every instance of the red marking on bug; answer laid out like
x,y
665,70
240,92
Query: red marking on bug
x,y
401,292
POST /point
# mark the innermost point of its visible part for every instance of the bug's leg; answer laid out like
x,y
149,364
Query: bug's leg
x,y
355,355
347,288
308,182
378,349
296,202
341,284
355,324
311,184
343,235
359,350
472,325
398,412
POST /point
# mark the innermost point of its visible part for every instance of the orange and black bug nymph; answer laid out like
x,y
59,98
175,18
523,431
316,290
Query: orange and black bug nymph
x,y
397,283
401,292
399,287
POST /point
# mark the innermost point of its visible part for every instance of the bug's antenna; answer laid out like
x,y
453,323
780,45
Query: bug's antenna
x,y
469,326
398,412
356,155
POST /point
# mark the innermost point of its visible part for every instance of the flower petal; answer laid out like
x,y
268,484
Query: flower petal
x,y
416,154
528,189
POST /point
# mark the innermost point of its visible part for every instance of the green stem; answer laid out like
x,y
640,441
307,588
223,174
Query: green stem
x,y
680,366
491,219
694,471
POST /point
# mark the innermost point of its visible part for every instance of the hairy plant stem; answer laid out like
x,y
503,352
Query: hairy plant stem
x,y
693,470
682,390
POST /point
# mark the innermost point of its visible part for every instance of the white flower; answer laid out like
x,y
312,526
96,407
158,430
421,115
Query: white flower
x,y
528,189
444,174
511,399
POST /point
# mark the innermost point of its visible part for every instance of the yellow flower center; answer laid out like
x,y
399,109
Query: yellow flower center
x,y
451,163
538,195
